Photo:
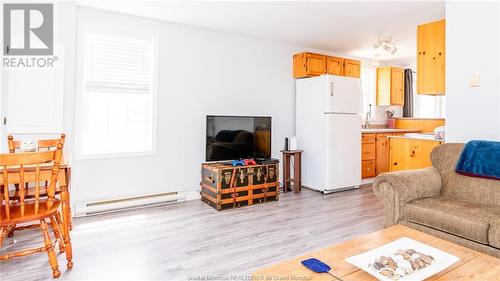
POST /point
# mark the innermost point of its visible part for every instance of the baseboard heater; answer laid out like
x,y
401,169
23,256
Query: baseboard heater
x,y
128,203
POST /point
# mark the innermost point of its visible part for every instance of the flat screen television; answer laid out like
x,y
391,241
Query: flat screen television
x,y
238,137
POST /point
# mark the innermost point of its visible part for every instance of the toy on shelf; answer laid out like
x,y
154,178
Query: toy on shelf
x,y
249,162
238,163
243,162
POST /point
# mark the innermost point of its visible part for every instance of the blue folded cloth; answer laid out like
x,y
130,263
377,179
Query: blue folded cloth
x,y
480,159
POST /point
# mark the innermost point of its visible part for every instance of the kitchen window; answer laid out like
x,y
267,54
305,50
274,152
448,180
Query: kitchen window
x,y
117,104
427,106
368,88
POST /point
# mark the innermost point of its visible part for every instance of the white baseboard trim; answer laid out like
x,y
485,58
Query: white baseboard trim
x,y
134,202
188,196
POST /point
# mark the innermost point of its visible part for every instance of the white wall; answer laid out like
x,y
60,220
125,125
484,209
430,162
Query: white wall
x,y
200,72
472,46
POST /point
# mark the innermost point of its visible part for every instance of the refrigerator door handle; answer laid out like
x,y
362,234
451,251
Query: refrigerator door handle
x,y
331,89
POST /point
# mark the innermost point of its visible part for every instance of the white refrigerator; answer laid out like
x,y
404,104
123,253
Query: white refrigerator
x,y
328,129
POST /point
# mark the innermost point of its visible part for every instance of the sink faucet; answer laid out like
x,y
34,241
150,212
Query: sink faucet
x,y
368,115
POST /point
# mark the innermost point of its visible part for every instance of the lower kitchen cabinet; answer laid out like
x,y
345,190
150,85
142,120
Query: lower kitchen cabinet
x,y
374,154
410,153
382,150
375,148
368,168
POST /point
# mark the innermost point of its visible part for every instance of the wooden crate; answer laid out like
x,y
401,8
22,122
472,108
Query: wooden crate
x,y
224,186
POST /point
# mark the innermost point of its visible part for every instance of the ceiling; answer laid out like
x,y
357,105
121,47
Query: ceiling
x,y
348,28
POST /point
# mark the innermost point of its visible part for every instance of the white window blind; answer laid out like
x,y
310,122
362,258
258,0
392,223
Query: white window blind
x,y
118,94
368,88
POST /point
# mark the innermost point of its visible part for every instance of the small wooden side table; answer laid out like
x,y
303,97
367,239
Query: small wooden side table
x,y
296,154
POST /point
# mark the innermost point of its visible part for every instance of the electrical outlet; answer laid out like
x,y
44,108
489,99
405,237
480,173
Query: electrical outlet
x,y
28,145
474,80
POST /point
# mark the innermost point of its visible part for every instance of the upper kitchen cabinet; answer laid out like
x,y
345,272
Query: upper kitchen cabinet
x,y
352,68
308,64
390,86
335,66
431,58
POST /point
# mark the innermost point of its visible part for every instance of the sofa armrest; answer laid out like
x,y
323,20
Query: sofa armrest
x,y
395,189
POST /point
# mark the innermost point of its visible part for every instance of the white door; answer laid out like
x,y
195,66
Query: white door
x,y
343,94
32,98
343,167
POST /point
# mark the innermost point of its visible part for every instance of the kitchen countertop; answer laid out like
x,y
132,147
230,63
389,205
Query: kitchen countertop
x,y
386,130
429,137
415,118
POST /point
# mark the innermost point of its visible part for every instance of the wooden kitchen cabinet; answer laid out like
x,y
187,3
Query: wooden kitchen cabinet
x,y
431,62
390,86
375,153
352,68
335,66
308,64
368,155
408,153
382,153
368,169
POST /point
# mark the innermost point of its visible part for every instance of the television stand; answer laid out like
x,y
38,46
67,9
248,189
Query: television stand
x,y
224,186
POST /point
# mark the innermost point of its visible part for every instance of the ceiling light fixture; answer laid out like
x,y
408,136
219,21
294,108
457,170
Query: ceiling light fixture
x,y
385,44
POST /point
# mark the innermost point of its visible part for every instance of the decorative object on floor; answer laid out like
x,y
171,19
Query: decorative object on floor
x,y
439,201
318,267
224,186
297,170
22,209
480,159
403,259
471,263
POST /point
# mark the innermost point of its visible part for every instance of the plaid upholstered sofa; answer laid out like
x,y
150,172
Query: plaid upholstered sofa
x,y
438,201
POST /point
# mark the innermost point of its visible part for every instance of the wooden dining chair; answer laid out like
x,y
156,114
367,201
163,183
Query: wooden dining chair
x,y
43,145
23,168
48,144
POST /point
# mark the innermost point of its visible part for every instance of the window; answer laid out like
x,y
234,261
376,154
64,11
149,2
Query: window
x,y
368,88
426,106
118,101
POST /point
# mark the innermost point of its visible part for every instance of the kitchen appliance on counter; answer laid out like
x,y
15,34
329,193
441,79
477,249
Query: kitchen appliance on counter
x,y
328,128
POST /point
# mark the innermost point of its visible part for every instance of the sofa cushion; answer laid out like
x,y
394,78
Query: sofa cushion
x,y
461,218
494,233
472,189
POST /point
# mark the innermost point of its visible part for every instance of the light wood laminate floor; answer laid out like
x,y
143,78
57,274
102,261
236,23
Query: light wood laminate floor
x,y
190,239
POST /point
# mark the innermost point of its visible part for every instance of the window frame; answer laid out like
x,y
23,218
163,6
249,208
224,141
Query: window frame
x,y
80,89
373,100
439,103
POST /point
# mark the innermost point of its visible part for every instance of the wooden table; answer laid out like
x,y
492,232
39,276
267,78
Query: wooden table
x,y
297,170
471,266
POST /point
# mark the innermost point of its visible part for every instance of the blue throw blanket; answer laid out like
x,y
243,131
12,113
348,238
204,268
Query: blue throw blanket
x,y
480,159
